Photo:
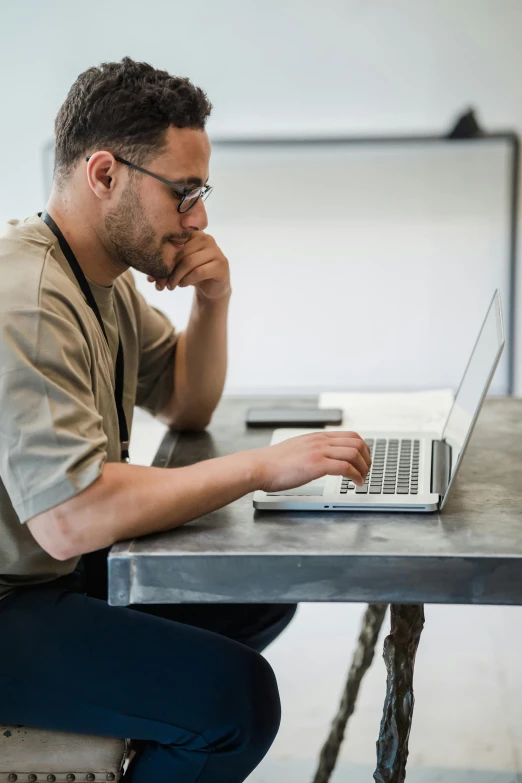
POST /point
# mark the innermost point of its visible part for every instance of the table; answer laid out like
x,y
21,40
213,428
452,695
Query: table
x,y
469,554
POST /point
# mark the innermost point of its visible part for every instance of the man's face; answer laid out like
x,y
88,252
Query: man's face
x,y
141,231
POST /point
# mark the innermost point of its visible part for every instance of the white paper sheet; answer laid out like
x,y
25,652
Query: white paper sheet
x,y
404,411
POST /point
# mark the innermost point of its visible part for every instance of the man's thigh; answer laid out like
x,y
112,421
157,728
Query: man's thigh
x,y
255,625
75,663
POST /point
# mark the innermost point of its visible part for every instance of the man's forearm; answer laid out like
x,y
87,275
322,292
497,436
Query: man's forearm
x,y
200,365
129,501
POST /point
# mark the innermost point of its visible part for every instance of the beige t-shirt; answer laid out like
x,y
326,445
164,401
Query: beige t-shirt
x,y
58,417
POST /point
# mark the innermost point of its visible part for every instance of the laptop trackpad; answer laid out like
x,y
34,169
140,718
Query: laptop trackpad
x,y
312,488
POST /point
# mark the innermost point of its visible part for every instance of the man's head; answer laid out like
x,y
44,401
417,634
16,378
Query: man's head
x,y
153,120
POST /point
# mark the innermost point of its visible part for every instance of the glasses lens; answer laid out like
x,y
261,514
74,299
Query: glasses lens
x,y
190,199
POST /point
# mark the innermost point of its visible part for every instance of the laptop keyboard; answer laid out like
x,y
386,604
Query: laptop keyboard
x,y
394,471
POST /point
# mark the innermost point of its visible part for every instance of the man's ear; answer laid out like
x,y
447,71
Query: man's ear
x,y
103,174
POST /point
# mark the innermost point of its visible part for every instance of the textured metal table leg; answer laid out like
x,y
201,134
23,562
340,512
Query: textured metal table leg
x,y
362,659
400,648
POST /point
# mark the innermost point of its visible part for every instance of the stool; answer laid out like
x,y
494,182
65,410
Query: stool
x,y
30,754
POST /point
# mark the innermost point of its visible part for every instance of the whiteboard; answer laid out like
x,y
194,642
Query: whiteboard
x,y
360,267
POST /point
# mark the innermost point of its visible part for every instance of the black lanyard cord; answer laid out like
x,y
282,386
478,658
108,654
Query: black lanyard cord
x,y
91,301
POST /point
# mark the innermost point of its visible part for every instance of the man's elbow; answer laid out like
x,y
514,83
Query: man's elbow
x,y
190,425
186,422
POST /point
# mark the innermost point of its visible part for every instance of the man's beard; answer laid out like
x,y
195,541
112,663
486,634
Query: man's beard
x,y
132,238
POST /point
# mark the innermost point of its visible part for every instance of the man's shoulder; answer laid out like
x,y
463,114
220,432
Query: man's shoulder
x,y
22,246
32,277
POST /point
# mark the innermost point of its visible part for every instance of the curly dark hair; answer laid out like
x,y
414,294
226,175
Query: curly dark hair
x,y
127,107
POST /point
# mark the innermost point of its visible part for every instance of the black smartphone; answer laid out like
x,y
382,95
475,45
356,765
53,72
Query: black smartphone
x,y
293,417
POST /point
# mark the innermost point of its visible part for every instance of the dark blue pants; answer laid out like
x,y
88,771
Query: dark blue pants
x,y
186,681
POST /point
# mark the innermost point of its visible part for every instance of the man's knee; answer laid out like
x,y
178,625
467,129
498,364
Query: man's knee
x,y
261,708
237,716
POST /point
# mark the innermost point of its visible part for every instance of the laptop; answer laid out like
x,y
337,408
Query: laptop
x,y
411,471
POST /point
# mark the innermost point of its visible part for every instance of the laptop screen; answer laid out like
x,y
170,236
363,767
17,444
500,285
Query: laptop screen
x,y
474,385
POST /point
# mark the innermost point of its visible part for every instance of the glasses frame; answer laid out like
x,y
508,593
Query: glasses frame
x,y
204,190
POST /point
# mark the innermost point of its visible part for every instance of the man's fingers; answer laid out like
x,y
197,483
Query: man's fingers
x,y
337,467
342,434
160,282
187,265
361,447
207,271
195,246
350,456
351,439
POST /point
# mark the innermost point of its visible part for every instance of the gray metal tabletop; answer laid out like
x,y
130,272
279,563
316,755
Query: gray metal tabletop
x,y
469,553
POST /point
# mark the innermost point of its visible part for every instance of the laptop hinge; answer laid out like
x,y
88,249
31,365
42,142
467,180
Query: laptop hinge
x,y
440,466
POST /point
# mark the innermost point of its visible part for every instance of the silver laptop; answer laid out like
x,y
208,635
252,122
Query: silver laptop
x,y
411,471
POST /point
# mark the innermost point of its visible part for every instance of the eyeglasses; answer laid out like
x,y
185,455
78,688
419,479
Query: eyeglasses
x,y
187,196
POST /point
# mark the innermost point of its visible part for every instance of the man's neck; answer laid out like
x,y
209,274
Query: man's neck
x,y
91,254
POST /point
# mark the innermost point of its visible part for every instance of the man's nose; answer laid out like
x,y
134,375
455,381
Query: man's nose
x,y
196,218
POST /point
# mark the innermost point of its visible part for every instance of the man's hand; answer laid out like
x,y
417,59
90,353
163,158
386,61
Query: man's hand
x,y
298,460
199,263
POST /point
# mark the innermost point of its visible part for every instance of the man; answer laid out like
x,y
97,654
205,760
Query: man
x,y
79,347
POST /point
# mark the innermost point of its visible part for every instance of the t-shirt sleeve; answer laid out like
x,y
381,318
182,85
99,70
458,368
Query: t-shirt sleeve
x,y
158,340
52,443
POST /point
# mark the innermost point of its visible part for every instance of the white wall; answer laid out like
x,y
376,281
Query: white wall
x,y
270,68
